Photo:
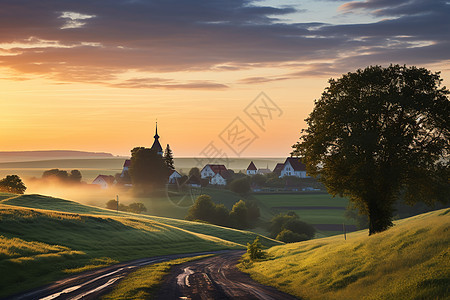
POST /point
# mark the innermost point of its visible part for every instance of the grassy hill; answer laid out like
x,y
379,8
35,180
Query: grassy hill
x,y
44,238
409,261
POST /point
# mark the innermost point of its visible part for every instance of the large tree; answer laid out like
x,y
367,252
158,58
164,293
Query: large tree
x,y
12,184
380,134
148,170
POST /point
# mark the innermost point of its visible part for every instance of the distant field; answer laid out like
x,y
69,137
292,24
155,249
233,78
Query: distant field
x,y
44,238
322,210
409,261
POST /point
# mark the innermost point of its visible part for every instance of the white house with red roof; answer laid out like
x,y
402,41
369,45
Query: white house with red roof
x,y
251,169
217,174
104,181
293,167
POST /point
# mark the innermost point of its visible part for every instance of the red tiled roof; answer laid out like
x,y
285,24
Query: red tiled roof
x,y
296,164
217,168
252,166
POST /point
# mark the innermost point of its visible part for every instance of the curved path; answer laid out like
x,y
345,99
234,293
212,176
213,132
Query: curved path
x,y
215,278
211,278
92,284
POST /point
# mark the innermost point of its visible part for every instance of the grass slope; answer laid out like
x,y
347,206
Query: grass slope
x,y
409,261
44,238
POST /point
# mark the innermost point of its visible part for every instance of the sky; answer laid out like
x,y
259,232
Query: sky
x,y
221,77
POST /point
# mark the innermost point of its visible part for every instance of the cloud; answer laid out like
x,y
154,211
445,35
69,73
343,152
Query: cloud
x,y
89,41
162,83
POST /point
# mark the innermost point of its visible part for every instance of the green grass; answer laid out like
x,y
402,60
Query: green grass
x,y
143,283
45,238
409,261
311,216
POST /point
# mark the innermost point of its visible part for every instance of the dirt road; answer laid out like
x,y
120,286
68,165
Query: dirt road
x,y
215,278
90,285
212,278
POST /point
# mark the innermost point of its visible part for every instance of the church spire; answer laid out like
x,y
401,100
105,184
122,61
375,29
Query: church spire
x,y
156,131
156,145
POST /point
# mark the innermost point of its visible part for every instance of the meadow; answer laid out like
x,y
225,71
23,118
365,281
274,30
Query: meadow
x,y
318,209
45,238
409,261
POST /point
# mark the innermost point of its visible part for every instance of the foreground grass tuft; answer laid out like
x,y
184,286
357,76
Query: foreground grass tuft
x,y
409,261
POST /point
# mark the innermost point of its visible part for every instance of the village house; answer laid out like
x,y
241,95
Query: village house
x,y
217,174
104,181
251,169
293,167
278,168
174,175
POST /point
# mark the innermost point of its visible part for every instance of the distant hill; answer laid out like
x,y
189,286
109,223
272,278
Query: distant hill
x,y
14,156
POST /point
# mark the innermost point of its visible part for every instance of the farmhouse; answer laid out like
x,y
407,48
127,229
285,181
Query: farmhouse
x,y
104,181
174,175
217,174
251,169
293,167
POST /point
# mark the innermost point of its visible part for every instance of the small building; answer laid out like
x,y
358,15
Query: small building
x,y
126,168
278,168
104,181
217,174
174,175
293,167
263,171
251,169
220,178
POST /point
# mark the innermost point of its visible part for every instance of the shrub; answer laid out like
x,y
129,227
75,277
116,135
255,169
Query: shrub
x,y
254,250
289,236
240,186
239,215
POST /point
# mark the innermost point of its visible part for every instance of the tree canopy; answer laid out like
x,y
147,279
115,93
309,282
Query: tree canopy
x,y
148,170
12,184
380,134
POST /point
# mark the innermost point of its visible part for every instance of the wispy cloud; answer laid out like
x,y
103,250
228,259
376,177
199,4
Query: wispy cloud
x,y
92,42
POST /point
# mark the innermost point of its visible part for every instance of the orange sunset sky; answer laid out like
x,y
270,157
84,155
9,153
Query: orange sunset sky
x,y
95,75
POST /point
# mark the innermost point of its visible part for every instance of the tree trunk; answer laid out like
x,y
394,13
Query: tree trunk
x,y
380,215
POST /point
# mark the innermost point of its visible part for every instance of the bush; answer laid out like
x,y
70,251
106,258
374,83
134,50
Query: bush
x,y
288,228
289,236
254,250
239,215
137,208
240,186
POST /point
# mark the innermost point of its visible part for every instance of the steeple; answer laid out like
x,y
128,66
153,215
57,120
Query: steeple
x,y
156,131
156,145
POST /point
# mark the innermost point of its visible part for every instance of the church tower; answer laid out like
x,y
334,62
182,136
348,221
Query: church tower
x,y
156,145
